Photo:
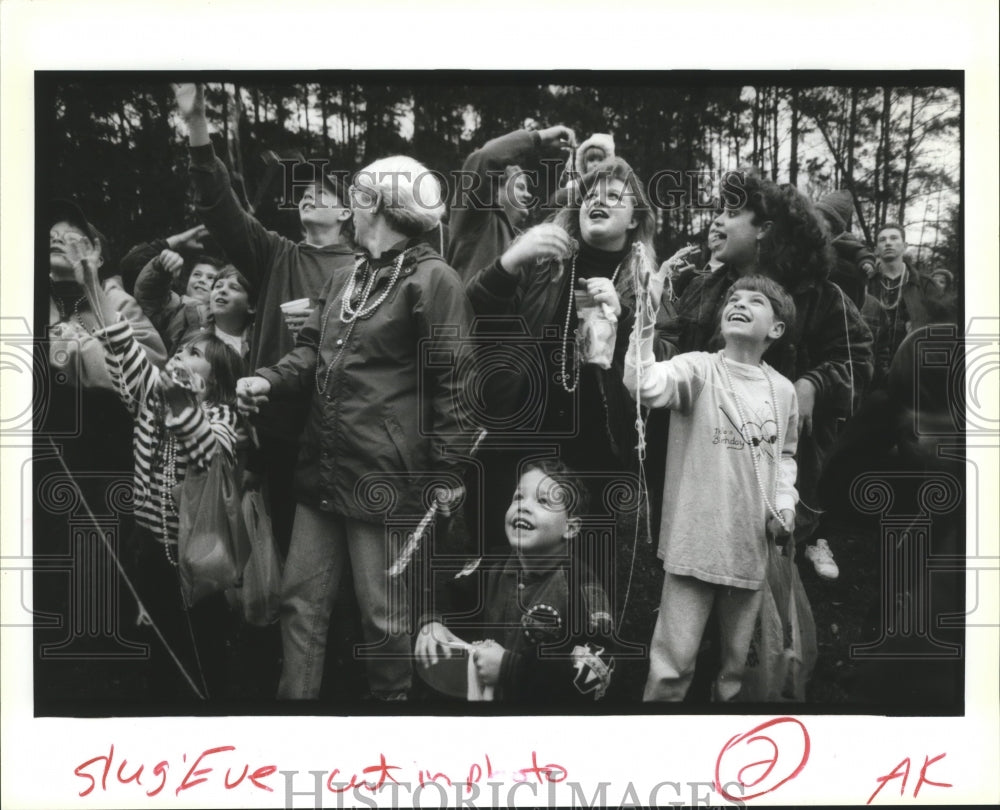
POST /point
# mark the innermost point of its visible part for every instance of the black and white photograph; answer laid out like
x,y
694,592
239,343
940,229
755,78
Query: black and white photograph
x,y
395,435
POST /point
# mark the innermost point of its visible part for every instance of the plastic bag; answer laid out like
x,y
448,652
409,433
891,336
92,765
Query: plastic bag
x,y
596,332
261,591
212,543
783,650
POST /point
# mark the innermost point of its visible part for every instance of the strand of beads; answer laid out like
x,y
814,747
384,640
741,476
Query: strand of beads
x,y
169,450
563,376
351,316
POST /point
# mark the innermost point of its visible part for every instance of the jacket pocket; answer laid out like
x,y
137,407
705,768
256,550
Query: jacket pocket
x,y
398,439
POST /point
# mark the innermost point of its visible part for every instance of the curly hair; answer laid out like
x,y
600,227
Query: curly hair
x,y
797,245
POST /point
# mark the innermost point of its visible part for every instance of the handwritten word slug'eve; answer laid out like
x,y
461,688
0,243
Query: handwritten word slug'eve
x,y
222,767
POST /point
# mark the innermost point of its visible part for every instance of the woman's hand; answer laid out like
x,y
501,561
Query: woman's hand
x,y
251,393
543,242
603,292
85,257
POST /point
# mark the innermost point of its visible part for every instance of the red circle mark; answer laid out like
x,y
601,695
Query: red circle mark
x,y
753,735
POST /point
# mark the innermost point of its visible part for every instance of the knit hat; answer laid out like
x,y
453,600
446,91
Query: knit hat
x,y
838,205
600,140
940,271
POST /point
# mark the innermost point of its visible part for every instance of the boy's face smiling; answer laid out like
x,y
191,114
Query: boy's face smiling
x,y
200,282
537,521
749,317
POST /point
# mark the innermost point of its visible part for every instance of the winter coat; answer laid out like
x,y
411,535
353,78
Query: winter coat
x,y
890,326
279,269
79,356
600,409
387,403
479,229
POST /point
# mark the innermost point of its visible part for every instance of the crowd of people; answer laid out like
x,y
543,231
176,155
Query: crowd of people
x,y
353,377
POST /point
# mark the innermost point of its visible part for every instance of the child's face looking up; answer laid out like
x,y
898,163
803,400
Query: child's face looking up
x,y
192,358
537,521
200,281
749,316
228,298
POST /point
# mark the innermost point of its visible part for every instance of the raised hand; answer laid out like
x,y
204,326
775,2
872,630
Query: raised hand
x,y
170,262
190,240
543,242
190,100
559,136
84,256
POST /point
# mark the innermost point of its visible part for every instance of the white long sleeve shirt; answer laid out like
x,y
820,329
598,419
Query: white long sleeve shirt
x,y
714,513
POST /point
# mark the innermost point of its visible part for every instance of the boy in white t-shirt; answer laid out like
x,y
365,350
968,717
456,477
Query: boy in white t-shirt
x,y
730,481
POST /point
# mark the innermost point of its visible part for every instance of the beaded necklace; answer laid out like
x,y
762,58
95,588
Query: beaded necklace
x,y
351,316
563,376
768,502
167,453
889,289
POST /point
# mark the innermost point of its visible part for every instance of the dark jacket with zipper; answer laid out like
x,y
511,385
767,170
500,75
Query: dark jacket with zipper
x,y
389,402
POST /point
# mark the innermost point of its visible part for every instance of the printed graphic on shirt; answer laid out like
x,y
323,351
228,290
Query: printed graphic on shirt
x,y
593,670
761,434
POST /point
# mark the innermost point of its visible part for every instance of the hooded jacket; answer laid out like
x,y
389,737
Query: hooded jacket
x,y
387,391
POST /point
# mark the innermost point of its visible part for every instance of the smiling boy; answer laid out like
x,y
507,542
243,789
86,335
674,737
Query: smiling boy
x,y
551,618
723,496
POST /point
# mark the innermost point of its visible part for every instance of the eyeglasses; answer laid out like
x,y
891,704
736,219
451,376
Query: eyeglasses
x,y
354,191
69,237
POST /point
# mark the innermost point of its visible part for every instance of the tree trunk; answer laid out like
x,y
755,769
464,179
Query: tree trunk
x,y
324,114
774,134
793,161
755,155
907,159
886,154
852,133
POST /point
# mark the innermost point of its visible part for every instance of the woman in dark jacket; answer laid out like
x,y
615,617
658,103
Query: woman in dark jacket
x,y
546,400
383,355
774,230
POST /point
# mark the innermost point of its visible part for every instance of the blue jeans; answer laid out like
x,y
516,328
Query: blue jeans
x,y
321,546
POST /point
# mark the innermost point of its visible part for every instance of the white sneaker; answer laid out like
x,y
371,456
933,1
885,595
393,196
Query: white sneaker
x,y
822,559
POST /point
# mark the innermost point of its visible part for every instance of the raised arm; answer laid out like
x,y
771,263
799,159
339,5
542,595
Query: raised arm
x,y
247,243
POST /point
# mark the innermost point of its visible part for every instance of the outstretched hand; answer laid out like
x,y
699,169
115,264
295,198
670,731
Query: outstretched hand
x,y
190,240
85,257
190,100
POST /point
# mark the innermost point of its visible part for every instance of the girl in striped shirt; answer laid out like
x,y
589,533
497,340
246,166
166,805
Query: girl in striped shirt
x,y
184,415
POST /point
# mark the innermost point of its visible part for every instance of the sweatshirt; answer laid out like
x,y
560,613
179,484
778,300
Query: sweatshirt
x,y
714,513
